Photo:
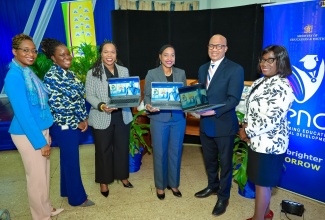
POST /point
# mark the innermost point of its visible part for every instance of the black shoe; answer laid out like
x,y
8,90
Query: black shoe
x,y
205,193
220,207
128,185
161,196
177,194
105,193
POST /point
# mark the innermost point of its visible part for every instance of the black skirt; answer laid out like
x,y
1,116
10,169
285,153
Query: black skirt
x,y
264,169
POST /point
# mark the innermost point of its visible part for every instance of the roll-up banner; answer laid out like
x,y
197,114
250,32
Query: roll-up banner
x,y
300,27
79,22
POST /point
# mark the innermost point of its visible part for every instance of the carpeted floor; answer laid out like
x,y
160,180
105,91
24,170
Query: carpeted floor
x,y
140,202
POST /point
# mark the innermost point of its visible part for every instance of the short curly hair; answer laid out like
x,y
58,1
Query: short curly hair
x,y
16,40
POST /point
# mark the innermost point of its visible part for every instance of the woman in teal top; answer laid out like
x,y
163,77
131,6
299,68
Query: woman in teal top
x,y
29,128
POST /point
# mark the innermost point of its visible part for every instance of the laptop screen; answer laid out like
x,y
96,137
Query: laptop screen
x,y
192,96
124,86
165,91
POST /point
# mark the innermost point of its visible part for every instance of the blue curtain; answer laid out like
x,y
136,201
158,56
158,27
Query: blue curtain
x,y
103,20
15,13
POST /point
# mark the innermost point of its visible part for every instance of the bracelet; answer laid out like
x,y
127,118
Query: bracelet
x,y
102,107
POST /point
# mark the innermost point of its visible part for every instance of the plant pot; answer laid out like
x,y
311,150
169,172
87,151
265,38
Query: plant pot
x,y
249,190
135,162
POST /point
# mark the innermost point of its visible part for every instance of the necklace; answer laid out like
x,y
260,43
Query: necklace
x,y
168,74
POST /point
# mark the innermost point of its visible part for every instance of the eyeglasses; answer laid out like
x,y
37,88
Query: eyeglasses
x,y
28,50
217,46
269,60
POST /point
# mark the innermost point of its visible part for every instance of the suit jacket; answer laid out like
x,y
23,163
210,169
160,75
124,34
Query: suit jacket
x,y
96,92
226,87
158,75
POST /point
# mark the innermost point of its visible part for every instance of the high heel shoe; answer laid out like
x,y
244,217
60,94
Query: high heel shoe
x,y
87,203
268,216
127,185
104,193
161,196
175,193
55,211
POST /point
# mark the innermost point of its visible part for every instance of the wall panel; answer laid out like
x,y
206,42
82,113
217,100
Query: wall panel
x,y
140,34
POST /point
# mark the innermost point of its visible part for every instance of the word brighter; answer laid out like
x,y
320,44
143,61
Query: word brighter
x,y
300,161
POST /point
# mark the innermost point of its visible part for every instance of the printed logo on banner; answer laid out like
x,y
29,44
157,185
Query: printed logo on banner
x,y
306,82
322,3
308,29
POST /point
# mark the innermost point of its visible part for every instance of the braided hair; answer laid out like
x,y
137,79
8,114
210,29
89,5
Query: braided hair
x,y
49,45
97,69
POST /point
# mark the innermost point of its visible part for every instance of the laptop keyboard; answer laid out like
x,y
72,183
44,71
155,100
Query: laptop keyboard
x,y
201,107
165,104
118,101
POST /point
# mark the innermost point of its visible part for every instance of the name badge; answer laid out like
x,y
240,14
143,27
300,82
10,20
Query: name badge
x,y
64,127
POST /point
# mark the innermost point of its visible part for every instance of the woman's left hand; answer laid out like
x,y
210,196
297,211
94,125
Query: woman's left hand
x,y
207,113
243,135
83,126
50,140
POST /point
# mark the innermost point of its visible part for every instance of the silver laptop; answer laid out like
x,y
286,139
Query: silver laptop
x,y
194,99
124,92
164,95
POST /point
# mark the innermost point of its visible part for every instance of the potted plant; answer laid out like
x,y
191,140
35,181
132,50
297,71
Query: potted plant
x,y
84,57
137,142
239,160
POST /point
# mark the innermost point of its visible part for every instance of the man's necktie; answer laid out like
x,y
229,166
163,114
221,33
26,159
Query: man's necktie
x,y
210,75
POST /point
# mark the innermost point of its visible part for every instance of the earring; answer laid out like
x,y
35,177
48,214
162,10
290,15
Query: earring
x,y
115,61
160,62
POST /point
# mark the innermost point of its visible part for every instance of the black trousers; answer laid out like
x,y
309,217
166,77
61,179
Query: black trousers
x,y
112,150
222,148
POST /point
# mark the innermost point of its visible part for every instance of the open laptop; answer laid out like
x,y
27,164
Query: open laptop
x,y
194,99
124,92
164,95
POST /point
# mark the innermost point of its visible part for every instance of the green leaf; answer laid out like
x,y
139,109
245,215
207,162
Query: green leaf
x,y
136,134
41,65
240,157
85,55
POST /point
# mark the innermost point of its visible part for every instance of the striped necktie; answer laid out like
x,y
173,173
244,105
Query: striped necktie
x,y
210,75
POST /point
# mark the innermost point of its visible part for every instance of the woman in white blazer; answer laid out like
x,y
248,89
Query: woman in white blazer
x,y
110,126
266,126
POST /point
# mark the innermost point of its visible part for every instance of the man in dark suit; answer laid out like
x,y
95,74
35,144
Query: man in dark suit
x,y
224,80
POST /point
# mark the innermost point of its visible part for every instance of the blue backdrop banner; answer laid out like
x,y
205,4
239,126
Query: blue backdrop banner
x,y
299,26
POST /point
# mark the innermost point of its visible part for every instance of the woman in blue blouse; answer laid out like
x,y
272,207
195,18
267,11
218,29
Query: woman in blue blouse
x,y
266,126
29,128
67,105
